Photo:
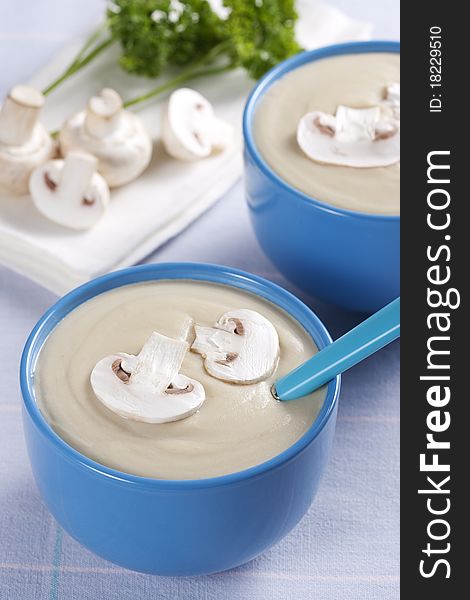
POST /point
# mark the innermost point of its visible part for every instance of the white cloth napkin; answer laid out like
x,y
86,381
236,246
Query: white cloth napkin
x,y
167,198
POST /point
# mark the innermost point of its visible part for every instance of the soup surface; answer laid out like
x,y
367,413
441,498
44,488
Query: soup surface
x,y
237,427
353,80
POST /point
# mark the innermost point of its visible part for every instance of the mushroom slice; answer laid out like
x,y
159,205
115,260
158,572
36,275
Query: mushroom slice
x,y
354,137
24,142
242,347
392,99
115,136
148,387
70,192
190,129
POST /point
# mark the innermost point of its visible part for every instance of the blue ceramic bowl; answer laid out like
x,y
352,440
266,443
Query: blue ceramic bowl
x,y
163,527
344,257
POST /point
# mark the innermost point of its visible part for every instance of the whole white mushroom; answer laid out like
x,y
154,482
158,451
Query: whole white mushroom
x,y
24,142
190,128
70,192
115,136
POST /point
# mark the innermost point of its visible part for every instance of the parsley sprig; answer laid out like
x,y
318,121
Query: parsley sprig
x,y
160,36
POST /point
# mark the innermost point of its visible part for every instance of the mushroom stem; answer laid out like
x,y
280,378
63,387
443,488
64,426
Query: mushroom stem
x,y
19,115
103,113
159,360
76,174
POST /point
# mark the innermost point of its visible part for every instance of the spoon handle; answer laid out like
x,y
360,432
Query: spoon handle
x,y
369,336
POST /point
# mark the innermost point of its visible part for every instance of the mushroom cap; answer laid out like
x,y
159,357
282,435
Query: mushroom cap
x,y
80,210
148,387
242,347
17,162
360,138
190,129
123,150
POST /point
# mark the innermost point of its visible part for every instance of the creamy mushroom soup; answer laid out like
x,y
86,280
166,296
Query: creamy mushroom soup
x,y
356,81
236,427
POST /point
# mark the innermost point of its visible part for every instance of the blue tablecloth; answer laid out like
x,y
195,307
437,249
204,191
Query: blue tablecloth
x,y
346,547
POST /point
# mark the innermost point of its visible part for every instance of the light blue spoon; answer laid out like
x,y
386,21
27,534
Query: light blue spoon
x,y
372,334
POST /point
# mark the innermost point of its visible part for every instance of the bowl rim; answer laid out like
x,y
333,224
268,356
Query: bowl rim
x,y
165,271
300,59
